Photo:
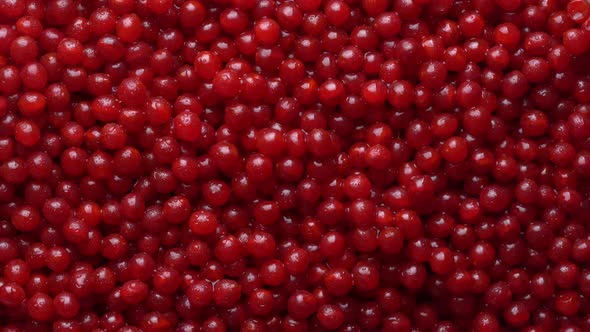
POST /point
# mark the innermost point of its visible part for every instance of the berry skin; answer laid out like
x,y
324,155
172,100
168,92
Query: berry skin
x,y
300,165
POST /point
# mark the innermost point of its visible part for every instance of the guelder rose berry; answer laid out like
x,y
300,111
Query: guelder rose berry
x,y
298,165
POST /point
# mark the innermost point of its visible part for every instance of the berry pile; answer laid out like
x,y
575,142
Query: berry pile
x,y
294,165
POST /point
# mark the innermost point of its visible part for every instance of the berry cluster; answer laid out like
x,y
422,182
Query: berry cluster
x,y
294,165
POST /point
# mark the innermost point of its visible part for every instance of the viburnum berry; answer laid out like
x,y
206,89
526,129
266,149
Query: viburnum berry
x,y
300,165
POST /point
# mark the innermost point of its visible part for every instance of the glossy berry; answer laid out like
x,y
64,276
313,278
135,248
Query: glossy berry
x,y
303,165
